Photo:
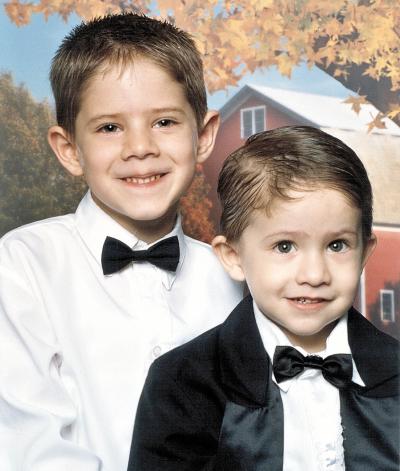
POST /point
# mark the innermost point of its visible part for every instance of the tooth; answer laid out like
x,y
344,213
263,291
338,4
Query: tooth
x,y
142,181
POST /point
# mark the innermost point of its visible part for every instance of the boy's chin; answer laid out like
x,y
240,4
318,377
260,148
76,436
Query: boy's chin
x,y
147,228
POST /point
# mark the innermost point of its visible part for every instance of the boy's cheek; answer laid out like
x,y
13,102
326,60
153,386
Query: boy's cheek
x,y
80,159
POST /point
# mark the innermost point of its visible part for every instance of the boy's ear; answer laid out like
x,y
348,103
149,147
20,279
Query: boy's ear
x,y
368,249
65,150
207,136
229,257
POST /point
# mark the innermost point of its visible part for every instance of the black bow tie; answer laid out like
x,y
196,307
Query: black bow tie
x,y
289,362
116,255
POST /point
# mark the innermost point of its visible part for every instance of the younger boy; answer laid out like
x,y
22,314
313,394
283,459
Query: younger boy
x,y
297,215
79,323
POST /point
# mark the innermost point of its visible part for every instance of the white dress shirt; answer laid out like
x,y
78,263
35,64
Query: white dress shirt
x,y
313,434
75,345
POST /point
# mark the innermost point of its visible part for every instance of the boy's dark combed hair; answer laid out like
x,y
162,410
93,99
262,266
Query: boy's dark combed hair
x,y
120,39
273,163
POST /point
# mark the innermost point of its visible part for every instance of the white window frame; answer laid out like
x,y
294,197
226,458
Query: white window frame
x,y
253,117
392,313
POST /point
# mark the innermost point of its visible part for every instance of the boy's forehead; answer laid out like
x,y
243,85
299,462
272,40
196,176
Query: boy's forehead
x,y
140,72
299,190
117,68
120,64
301,209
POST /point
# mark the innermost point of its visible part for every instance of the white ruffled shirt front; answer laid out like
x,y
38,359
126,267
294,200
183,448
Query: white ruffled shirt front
x,y
313,434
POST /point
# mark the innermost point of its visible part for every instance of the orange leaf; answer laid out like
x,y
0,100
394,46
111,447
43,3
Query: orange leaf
x,y
356,102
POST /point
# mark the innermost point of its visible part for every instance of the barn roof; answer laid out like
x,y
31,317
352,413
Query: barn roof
x,y
312,109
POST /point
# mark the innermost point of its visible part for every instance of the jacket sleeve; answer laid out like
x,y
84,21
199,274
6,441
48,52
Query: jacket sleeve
x,y
171,433
37,412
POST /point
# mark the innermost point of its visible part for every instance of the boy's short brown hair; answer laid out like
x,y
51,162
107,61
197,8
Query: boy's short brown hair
x,y
272,163
119,39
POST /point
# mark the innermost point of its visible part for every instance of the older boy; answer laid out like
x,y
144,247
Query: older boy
x,y
297,215
79,323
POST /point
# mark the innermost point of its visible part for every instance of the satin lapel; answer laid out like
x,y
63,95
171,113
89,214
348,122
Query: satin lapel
x,y
244,362
251,436
376,354
371,415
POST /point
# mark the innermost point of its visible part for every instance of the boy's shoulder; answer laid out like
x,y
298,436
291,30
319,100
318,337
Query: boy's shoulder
x,y
197,245
189,365
204,351
201,263
201,255
201,348
365,334
33,235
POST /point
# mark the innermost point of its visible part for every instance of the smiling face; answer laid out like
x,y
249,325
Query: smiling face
x,y
302,263
137,144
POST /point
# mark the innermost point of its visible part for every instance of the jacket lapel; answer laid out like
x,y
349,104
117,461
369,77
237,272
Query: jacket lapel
x,y
251,436
376,354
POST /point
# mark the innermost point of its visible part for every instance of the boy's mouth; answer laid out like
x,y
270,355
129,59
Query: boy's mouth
x,y
303,300
143,180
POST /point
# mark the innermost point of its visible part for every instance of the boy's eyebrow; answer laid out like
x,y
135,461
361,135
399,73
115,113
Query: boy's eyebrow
x,y
345,232
113,116
168,109
101,117
289,234
284,234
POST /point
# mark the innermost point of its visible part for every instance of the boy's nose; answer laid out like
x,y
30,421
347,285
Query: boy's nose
x,y
139,143
313,269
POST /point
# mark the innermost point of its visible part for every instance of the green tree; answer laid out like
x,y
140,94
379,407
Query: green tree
x,y
32,183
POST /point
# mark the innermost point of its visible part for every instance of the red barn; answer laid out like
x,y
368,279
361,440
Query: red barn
x,y
254,109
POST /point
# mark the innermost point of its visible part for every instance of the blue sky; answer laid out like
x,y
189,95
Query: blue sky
x,y
27,51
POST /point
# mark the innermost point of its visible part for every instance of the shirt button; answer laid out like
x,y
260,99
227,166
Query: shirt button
x,y
157,351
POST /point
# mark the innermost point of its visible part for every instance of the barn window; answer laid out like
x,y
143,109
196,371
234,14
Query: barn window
x,y
252,120
387,305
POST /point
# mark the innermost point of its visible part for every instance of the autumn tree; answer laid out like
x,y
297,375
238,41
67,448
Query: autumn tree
x,y
196,208
354,41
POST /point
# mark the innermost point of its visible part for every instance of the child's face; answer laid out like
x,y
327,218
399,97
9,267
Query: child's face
x,y
303,263
137,144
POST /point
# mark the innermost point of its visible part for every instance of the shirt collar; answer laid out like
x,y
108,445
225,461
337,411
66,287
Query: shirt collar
x,y
272,336
94,225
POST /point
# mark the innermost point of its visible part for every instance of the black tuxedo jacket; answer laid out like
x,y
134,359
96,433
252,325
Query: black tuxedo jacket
x,y
211,404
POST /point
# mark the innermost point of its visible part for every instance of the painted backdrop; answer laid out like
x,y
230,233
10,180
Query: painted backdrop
x,y
338,59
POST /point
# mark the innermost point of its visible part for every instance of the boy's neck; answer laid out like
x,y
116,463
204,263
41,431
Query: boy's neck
x,y
146,231
313,343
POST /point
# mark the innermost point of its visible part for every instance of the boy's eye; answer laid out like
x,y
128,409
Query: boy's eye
x,y
284,247
109,128
164,123
337,245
